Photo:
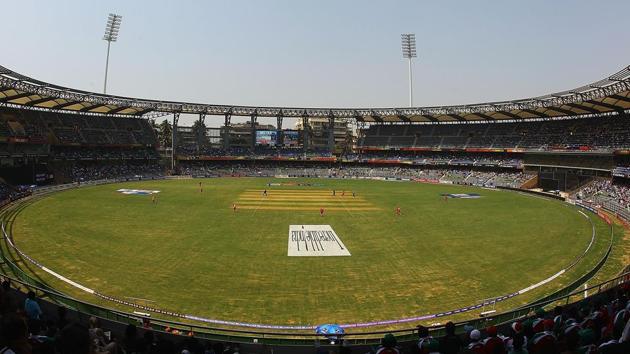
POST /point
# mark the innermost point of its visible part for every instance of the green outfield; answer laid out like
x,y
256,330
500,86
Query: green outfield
x,y
190,252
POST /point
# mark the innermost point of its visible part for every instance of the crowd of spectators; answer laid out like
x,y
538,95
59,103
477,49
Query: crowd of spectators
x,y
444,175
73,129
606,190
418,158
83,153
25,328
440,158
9,193
621,171
256,153
494,179
597,133
92,172
590,327
599,325
5,191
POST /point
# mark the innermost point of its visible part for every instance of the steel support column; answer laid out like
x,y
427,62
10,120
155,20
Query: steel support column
x,y
279,136
226,130
305,134
361,126
253,130
331,133
174,140
200,133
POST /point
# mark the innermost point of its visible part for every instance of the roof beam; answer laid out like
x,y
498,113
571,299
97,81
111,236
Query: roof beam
x,y
584,108
561,110
613,87
143,112
89,108
605,105
457,117
509,114
376,117
484,116
430,117
402,117
358,117
620,98
15,97
117,109
64,105
536,113
41,100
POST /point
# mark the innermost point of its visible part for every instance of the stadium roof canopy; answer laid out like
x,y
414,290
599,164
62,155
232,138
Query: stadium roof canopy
x,y
611,94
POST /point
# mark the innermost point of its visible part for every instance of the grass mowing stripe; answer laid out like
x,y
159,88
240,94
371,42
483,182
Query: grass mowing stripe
x,y
311,203
300,198
314,208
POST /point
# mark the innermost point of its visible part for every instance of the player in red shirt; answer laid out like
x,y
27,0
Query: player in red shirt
x,y
321,211
397,211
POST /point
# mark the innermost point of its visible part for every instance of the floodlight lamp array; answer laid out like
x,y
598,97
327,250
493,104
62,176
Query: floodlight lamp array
x,y
408,41
112,28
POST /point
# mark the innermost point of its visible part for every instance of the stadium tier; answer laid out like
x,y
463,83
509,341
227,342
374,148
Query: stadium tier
x,y
587,134
32,127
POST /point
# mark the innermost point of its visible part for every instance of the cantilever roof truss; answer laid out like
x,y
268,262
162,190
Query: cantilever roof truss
x,y
611,94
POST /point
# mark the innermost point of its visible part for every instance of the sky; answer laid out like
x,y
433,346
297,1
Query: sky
x,y
325,53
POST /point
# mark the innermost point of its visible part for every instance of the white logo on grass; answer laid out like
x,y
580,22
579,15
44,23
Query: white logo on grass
x,y
137,191
463,195
315,241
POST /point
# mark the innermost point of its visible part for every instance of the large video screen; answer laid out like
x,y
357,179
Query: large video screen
x,y
266,137
291,138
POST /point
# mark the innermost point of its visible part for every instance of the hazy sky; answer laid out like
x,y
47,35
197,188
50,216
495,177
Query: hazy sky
x,y
319,53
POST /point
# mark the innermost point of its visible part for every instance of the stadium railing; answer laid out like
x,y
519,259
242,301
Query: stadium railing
x,y
616,209
296,338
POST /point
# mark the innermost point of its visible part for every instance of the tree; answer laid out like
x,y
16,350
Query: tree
x,y
154,128
165,130
200,134
153,124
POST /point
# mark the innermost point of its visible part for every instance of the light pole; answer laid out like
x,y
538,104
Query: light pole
x,y
111,35
409,51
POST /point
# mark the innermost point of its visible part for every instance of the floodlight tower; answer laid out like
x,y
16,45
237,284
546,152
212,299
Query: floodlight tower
x,y
409,52
111,35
